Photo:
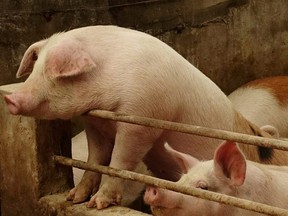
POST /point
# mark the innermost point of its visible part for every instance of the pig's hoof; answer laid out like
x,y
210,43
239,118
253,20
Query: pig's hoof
x,y
71,194
88,185
78,194
103,201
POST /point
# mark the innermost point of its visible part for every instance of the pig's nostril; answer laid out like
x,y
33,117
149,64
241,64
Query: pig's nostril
x,y
154,191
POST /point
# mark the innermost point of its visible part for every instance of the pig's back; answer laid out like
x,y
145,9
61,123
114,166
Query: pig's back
x,y
146,71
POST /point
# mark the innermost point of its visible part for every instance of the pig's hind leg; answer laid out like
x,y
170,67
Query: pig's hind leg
x,y
131,145
99,152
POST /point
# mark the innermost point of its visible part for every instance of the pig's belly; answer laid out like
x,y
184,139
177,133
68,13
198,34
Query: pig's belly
x,y
164,166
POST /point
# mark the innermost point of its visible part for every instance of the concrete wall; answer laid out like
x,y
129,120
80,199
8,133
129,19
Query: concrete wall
x,y
26,167
231,41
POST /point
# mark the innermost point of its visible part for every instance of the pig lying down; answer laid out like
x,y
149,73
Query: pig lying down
x,y
264,101
122,70
228,173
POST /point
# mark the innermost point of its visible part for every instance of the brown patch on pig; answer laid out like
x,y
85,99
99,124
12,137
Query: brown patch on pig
x,y
255,153
278,86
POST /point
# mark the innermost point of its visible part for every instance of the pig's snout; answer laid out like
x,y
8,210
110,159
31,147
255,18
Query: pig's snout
x,y
12,104
162,198
151,195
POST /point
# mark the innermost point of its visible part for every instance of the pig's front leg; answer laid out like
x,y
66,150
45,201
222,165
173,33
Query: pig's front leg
x,y
99,151
131,145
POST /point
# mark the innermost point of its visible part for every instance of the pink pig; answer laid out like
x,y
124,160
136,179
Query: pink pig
x,y
228,173
265,101
127,71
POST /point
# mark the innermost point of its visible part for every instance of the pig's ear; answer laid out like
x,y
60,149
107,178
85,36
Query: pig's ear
x,y
230,163
67,59
271,131
185,161
29,59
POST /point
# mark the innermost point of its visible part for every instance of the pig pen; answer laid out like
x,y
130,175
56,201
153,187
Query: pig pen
x,y
232,42
34,182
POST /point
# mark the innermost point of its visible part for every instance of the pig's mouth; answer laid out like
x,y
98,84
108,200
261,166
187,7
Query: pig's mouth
x,y
156,210
163,211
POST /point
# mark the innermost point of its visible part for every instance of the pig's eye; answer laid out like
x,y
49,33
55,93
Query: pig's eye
x,y
202,185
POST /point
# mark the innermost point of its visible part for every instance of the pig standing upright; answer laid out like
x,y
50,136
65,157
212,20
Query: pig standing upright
x,y
228,173
122,70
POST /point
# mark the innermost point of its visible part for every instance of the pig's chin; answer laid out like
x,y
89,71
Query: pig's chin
x,y
158,211
41,111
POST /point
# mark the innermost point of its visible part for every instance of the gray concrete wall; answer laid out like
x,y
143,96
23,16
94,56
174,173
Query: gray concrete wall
x,y
250,42
26,167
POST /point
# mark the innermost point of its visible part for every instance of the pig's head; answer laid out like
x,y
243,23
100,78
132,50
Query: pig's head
x,y
224,174
59,69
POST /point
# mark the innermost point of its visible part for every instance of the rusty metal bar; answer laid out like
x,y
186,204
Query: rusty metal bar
x,y
192,129
149,180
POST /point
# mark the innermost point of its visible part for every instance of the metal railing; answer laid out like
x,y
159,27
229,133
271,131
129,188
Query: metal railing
x,y
196,130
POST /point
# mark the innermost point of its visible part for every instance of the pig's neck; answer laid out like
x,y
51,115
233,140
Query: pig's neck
x,y
242,125
265,184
